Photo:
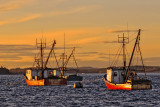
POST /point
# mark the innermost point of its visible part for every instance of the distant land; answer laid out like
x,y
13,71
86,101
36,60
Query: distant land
x,y
4,70
149,69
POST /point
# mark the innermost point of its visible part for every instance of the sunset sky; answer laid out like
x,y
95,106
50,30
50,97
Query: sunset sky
x,y
87,24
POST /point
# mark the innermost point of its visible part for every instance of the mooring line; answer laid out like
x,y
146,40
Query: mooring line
x,y
15,83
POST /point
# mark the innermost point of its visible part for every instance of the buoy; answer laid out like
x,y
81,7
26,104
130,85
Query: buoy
x,y
78,85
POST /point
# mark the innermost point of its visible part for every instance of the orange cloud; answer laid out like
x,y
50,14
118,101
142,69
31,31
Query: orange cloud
x,y
110,31
85,31
74,36
68,12
121,31
85,41
14,5
27,18
8,7
73,10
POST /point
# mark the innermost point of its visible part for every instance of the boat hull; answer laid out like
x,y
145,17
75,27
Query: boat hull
x,y
45,82
136,85
141,84
113,86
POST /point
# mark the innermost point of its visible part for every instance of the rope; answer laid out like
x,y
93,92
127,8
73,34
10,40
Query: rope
x,y
15,83
127,53
115,58
116,61
118,57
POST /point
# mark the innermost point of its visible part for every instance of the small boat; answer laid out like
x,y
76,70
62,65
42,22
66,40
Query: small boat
x,y
65,61
125,78
42,76
73,77
70,77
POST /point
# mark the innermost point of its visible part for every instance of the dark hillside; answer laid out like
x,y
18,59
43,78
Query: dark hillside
x,y
4,70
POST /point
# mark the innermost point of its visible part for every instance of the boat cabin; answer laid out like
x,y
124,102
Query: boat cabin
x,y
33,74
115,75
30,74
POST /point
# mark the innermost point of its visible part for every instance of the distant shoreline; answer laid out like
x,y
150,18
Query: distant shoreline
x,y
15,71
92,73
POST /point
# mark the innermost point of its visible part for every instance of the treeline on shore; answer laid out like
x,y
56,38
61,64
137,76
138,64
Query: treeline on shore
x,y
149,69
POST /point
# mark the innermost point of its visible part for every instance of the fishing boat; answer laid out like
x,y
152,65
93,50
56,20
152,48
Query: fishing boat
x,y
41,75
126,78
64,68
65,61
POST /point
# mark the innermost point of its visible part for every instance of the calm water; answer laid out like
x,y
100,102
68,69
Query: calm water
x,y
93,94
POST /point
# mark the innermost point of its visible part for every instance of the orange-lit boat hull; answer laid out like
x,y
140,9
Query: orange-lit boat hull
x,y
112,86
44,82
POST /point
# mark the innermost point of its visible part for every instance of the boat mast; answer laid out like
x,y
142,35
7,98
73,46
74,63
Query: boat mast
x,y
69,57
45,64
76,64
42,46
141,59
41,54
124,55
64,53
137,42
63,59
123,40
